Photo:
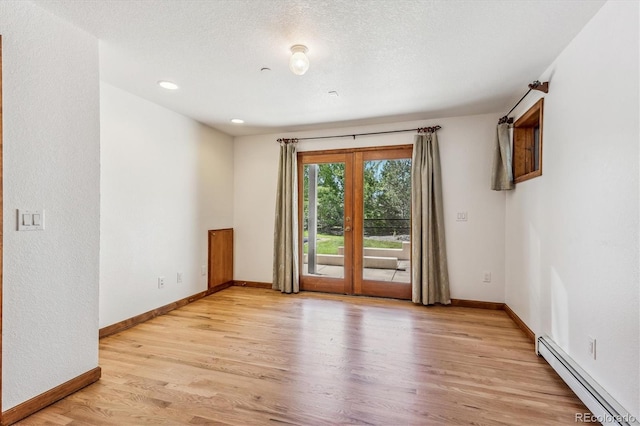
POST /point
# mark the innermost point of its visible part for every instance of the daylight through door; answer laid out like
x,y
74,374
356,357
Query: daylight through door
x,y
355,221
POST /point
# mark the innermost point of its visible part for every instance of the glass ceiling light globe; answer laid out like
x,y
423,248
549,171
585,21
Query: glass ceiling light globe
x,y
299,63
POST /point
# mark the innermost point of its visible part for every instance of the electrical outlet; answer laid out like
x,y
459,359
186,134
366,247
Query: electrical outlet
x,y
592,347
486,277
160,282
179,278
461,217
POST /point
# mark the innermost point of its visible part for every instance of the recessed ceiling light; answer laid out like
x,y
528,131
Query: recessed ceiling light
x,y
237,121
167,85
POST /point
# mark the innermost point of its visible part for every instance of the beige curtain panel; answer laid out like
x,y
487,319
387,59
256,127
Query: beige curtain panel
x,y
285,234
501,173
429,273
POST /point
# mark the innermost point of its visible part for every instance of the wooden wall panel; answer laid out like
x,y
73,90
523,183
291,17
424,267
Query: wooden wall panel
x,y
220,256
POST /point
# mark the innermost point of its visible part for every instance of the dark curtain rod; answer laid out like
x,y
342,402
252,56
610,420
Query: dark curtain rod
x,y
353,135
536,85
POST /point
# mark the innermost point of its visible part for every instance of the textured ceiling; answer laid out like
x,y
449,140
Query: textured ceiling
x,y
388,60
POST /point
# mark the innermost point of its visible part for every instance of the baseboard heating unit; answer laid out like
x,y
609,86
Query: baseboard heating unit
x,y
604,409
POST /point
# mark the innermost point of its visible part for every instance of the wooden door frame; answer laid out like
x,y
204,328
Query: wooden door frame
x,y
1,227
309,282
353,159
362,286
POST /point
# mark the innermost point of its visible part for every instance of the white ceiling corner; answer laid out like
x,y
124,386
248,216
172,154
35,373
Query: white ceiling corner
x,y
387,59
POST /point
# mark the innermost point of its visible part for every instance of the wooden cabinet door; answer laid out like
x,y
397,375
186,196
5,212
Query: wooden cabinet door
x,y
220,256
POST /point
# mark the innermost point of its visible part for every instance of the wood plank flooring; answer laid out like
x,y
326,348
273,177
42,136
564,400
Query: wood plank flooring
x,y
247,356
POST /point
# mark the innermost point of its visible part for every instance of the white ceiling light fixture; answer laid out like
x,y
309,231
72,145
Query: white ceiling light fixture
x,y
237,121
168,85
299,63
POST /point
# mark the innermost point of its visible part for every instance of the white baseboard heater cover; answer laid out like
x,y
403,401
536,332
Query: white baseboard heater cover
x,y
604,408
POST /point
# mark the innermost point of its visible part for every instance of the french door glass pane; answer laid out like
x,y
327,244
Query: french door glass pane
x,y
387,220
323,220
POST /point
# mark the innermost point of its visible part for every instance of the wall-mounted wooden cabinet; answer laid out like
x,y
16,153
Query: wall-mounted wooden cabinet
x,y
527,144
220,256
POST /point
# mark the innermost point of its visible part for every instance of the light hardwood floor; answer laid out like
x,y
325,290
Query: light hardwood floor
x,y
247,356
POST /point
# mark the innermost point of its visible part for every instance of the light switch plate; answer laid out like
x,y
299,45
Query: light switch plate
x,y
30,220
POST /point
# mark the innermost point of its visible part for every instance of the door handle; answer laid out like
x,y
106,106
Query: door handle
x,y
347,229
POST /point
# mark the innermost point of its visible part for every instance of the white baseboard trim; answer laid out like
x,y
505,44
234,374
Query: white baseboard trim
x,y
604,408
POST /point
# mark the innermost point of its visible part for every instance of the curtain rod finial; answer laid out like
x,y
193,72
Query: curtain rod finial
x,y
428,129
543,87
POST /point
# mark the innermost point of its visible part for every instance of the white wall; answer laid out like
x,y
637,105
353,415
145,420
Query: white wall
x,y
165,180
51,161
572,234
466,154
